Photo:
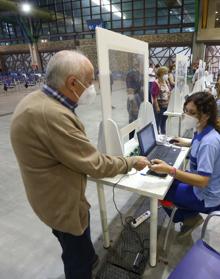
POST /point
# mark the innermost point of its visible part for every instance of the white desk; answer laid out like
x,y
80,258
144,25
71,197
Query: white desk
x,y
150,186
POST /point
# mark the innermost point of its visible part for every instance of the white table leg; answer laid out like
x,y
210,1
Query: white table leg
x,y
153,231
179,129
103,214
169,127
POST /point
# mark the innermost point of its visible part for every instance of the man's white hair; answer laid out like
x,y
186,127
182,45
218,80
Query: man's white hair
x,y
63,64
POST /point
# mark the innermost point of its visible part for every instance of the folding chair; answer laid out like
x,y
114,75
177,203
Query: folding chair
x,y
202,261
172,207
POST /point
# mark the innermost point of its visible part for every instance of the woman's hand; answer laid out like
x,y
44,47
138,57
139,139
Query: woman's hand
x,y
158,109
182,142
160,166
156,105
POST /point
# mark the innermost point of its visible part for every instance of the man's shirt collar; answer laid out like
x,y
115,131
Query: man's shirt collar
x,y
65,101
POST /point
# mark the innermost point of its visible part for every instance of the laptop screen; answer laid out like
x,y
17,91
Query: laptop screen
x,y
146,139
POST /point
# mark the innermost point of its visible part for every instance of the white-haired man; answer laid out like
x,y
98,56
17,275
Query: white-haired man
x,y
55,157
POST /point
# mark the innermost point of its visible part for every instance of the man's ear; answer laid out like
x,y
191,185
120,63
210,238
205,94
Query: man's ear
x,y
70,82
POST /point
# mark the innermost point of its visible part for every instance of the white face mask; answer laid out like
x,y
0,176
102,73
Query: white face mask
x,y
165,77
189,122
88,95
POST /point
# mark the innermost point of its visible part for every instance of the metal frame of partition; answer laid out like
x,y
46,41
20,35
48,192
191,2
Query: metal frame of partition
x,y
165,55
130,17
21,62
212,58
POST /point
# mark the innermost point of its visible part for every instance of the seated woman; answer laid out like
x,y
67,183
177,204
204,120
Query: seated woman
x,y
199,189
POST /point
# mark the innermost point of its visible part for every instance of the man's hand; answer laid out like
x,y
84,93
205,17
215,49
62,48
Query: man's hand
x,y
160,166
141,163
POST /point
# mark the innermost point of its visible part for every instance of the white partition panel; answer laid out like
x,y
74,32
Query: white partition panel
x,y
180,90
177,98
201,71
123,67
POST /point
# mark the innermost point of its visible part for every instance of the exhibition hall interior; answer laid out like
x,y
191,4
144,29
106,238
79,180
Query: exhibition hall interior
x,y
109,139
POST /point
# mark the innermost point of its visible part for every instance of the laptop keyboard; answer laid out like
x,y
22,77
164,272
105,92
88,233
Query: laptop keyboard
x,y
159,152
165,153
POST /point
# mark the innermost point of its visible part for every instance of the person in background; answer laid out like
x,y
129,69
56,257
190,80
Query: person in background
x,y
5,87
196,190
195,66
135,94
111,80
160,93
207,81
156,67
171,76
111,85
151,79
55,156
196,74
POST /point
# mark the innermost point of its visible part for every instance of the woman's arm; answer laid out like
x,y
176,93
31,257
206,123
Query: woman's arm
x,y
185,177
156,105
192,178
182,142
155,90
171,80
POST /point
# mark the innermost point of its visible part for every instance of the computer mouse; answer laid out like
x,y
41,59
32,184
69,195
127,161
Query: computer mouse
x,y
173,141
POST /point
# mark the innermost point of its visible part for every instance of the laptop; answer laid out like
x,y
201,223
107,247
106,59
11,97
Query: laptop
x,y
152,150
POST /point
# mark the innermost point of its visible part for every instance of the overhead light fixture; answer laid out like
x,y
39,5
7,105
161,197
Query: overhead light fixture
x,y
114,10
26,7
217,19
216,12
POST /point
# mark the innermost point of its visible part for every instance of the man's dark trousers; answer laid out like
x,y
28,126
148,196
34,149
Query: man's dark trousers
x,y
78,254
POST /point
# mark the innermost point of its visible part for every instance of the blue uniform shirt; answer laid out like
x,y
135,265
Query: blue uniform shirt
x,y
205,160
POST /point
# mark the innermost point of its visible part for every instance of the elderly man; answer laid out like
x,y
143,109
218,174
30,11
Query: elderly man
x,y
55,157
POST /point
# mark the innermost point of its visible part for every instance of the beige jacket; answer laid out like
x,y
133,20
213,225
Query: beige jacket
x,y
55,157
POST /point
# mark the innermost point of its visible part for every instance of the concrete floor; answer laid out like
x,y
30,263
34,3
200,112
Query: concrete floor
x,y
28,248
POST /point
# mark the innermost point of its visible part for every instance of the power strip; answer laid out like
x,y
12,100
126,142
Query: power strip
x,y
140,219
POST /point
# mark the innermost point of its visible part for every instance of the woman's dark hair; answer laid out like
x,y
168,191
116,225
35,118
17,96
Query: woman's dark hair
x,y
205,103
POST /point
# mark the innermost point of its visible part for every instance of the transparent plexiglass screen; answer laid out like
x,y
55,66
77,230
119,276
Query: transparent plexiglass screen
x,y
126,78
181,76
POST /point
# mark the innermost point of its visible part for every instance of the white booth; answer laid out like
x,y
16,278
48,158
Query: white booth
x,y
118,57
123,75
